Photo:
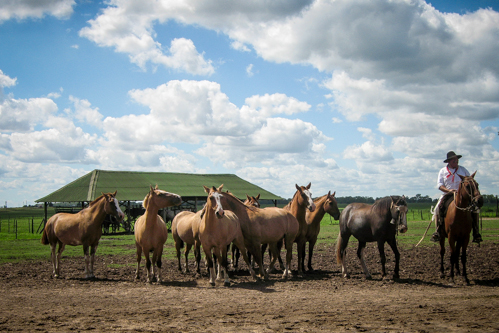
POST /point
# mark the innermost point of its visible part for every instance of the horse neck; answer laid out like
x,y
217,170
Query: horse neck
x,y
235,205
97,211
461,199
319,212
209,216
296,209
151,213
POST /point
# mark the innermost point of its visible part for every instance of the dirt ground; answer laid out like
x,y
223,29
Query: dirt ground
x,y
322,301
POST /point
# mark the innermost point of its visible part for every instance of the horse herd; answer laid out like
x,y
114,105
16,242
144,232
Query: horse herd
x,y
226,220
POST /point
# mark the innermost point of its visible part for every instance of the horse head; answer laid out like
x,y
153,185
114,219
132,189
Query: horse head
x,y
398,210
213,200
162,198
252,201
468,189
304,196
331,206
112,206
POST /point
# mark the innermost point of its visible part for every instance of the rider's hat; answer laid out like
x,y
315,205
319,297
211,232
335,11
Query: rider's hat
x,y
451,155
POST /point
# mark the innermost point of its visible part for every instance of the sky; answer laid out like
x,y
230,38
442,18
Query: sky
x,y
357,97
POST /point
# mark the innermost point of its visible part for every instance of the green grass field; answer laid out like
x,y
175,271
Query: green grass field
x,y
27,246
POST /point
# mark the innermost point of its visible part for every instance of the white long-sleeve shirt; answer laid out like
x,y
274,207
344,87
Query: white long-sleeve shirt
x,y
448,177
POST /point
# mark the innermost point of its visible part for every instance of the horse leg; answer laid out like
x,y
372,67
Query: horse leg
x,y
157,260
93,249
148,266
209,264
289,255
381,249
453,256
186,253
87,261
341,252
463,261
239,244
224,263
139,258
393,245
458,251
197,255
442,255
360,255
257,256
236,253
178,246
53,258
273,257
311,245
279,247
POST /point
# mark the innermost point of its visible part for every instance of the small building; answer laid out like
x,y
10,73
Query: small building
x,y
133,186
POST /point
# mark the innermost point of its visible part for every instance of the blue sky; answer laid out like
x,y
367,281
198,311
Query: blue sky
x,y
358,97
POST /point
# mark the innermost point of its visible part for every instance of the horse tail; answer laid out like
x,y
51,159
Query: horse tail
x,y
339,252
45,239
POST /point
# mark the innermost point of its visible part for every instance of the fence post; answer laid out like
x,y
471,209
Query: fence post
x,y
15,226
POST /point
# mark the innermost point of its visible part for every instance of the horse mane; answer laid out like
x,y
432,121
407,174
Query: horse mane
x,y
96,200
236,199
145,202
384,204
320,199
290,201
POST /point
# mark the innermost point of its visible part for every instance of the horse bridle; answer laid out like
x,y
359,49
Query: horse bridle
x,y
472,207
397,222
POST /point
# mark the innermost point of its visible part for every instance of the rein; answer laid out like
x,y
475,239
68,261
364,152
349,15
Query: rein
x,y
472,207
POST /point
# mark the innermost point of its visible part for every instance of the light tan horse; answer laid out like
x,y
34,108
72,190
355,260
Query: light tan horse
x,y
83,228
151,232
302,200
250,201
264,226
185,230
219,228
325,204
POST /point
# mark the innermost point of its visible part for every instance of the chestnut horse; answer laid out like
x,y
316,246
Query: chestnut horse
x,y
83,228
264,226
185,229
372,223
151,231
325,204
302,200
458,224
219,228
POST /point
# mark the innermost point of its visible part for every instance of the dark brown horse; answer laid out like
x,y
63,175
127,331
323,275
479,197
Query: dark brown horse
x,y
372,223
458,224
83,228
325,204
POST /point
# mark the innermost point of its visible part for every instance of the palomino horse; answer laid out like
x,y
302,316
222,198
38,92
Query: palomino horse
x,y
216,231
458,224
325,204
185,229
372,223
83,228
302,200
264,226
250,201
151,231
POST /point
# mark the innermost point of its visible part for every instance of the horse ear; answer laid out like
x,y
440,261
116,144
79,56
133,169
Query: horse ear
x,y
116,192
151,189
460,177
156,187
219,189
258,196
308,186
248,197
298,187
206,189
473,175
334,194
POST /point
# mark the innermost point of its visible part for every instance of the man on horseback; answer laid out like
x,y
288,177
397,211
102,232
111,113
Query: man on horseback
x,y
448,182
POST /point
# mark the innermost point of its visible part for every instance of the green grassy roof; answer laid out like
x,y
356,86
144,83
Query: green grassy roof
x,y
133,186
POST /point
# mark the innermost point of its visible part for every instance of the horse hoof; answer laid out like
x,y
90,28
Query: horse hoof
x,y
212,284
226,284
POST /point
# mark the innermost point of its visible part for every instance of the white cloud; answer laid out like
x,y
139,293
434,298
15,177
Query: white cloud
x,y
85,113
22,115
249,70
22,9
6,81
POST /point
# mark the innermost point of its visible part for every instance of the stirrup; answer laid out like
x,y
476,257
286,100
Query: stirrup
x,y
435,237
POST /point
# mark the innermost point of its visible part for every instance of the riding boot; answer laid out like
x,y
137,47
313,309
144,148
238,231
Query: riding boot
x,y
477,238
436,235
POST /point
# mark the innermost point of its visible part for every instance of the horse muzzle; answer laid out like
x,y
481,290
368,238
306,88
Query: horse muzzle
x,y
402,228
220,213
311,208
